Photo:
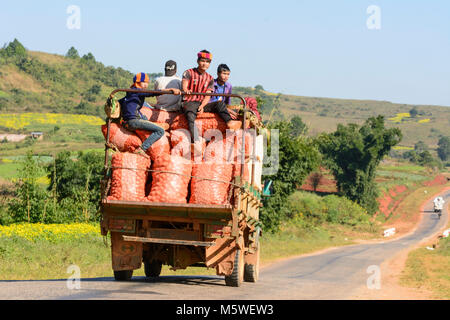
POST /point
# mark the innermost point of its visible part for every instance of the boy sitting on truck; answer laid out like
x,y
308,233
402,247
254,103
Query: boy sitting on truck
x,y
133,119
198,80
221,84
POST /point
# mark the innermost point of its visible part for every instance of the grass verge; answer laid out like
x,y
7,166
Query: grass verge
x,y
429,269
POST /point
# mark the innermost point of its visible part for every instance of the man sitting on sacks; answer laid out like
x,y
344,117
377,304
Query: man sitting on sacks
x,y
198,80
170,80
133,118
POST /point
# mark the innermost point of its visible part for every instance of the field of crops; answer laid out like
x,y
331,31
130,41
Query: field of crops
x,y
19,121
49,232
61,132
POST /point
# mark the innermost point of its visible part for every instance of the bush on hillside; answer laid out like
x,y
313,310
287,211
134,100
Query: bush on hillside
x,y
309,209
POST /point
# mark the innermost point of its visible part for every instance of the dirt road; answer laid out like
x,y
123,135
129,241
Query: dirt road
x,y
335,274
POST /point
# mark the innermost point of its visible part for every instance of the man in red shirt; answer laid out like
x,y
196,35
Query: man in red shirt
x,y
198,80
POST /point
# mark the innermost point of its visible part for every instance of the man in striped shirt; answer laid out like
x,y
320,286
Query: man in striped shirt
x,y
198,80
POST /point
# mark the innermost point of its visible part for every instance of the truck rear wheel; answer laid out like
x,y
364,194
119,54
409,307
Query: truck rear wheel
x,y
237,276
251,271
123,275
152,269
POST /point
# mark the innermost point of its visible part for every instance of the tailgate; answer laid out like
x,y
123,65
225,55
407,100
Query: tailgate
x,y
149,209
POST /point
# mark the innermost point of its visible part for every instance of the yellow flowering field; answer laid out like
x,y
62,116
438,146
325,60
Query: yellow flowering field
x,y
398,118
21,120
402,148
424,120
49,232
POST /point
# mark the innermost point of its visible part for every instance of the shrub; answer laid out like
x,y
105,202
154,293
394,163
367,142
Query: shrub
x,y
315,210
298,157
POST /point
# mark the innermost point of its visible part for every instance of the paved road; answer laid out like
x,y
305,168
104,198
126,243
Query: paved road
x,y
336,274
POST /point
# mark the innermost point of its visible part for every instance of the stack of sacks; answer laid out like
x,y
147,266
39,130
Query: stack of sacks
x,y
160,116
129,184
160,147
124,140
205,121
169,187
219,160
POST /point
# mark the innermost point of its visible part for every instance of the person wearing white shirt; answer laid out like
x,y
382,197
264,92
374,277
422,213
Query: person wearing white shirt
x,y
169,80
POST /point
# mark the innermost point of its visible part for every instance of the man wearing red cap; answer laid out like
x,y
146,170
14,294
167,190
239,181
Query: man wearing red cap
x,y
198,80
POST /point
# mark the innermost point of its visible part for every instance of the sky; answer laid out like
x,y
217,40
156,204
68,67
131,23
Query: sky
x,y
319,48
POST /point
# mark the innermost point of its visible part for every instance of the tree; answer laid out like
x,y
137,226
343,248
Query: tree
x,y
93,92
420,147
413,112
71,176
444,148
411,156
72,53
29,203
426,159
315,179
353,153
88,57
298,157
298,127
259,87
15,49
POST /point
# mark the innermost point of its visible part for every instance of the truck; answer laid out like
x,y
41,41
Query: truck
x,y
225,237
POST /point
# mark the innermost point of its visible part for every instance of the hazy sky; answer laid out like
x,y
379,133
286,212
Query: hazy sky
x,y
312,48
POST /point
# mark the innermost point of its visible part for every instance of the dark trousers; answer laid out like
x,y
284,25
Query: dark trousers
x,y
190,110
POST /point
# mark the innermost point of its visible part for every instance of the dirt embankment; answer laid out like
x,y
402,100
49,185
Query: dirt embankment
x,y
390,200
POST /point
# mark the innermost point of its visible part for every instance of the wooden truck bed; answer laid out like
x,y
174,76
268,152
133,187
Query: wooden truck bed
x,y
151,209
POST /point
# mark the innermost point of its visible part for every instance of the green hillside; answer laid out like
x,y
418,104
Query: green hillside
x,y
37,82
41,82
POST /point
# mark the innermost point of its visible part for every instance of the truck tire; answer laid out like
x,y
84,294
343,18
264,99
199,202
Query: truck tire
x,y
123,275
251,271
237,276
152,269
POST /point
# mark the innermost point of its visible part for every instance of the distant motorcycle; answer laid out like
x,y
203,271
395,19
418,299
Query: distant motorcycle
x,y
438,206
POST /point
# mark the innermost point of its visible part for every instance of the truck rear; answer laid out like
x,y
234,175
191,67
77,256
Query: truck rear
x,y
180,235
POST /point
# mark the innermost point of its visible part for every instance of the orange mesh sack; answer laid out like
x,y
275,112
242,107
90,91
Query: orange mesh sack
x,y
169,187
229,151
128,184
180,140
211,121
230,148
124,140
157,115
181,145
207,191
249,137
161,146
204,122
221,150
